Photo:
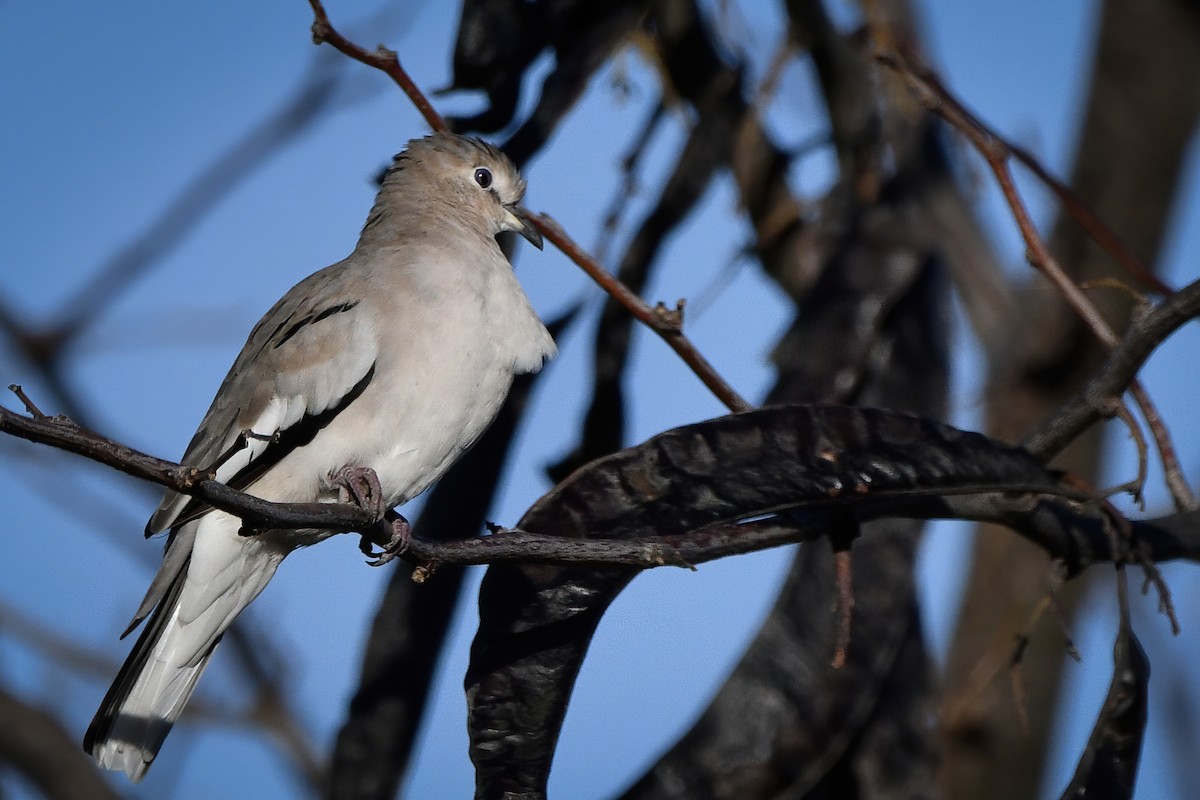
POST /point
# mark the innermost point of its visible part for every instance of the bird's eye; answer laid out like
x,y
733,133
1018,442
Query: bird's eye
x,y
483,176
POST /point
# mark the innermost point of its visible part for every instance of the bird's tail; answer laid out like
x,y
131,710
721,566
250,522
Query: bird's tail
x,y
159,676
147,696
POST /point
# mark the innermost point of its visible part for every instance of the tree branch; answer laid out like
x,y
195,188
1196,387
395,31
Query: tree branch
x,y
997,153
667,323
1072,536
382,59
1099,397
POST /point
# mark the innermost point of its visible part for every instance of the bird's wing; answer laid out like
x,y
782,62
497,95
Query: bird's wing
x,y
305,362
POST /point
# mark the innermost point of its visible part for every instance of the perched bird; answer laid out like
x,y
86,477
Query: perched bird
x,y
366,381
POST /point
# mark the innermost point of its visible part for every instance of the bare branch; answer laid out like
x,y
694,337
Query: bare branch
x,y
35,744
382,59
997,153
1012,501
666,325
1098,397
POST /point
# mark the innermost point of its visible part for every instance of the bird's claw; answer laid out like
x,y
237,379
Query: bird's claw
x,y
363,488
392,532
399,537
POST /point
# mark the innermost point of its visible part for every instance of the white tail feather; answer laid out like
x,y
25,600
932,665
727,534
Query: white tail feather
x,y
222,575
141,722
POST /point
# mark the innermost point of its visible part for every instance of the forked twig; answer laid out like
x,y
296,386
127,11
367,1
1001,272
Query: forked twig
x,y
997,153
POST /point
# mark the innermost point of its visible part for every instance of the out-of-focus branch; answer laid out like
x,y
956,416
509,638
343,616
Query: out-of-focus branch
x,y
62,650
629,181
667,323
43,347
265,714
1099,398
997,153
37,747
1095,227
306,107
584,37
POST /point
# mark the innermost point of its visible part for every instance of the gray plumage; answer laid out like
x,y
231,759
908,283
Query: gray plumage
x,y
395,359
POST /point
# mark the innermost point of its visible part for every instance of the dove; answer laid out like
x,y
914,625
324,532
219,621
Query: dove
x,y
365,382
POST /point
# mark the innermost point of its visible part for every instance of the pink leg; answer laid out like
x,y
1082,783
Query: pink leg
x,y
399,538
362,486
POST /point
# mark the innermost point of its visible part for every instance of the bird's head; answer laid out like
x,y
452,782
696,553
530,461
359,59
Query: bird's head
x,y
470,174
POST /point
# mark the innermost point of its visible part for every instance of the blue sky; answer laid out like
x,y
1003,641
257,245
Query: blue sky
x,y
112,109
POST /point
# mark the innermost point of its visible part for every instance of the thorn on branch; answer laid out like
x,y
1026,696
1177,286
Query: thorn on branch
x,y
671,317
320,30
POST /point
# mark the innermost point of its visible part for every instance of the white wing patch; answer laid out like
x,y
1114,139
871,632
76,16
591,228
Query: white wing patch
x,y
309,372
275,417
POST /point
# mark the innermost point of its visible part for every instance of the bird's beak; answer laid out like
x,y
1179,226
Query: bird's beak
x,y
524,225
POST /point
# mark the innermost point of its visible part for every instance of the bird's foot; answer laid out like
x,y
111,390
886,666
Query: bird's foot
x,y
391,532
393,535
361,485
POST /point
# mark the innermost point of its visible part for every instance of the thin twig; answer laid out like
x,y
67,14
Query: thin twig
x,y
1100,396
997,153
666,323
844,605
1095,227
382,59
32,408
1181,492
1137,485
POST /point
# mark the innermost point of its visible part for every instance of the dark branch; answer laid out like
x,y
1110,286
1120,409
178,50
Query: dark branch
x,y
1099,397
1025,504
